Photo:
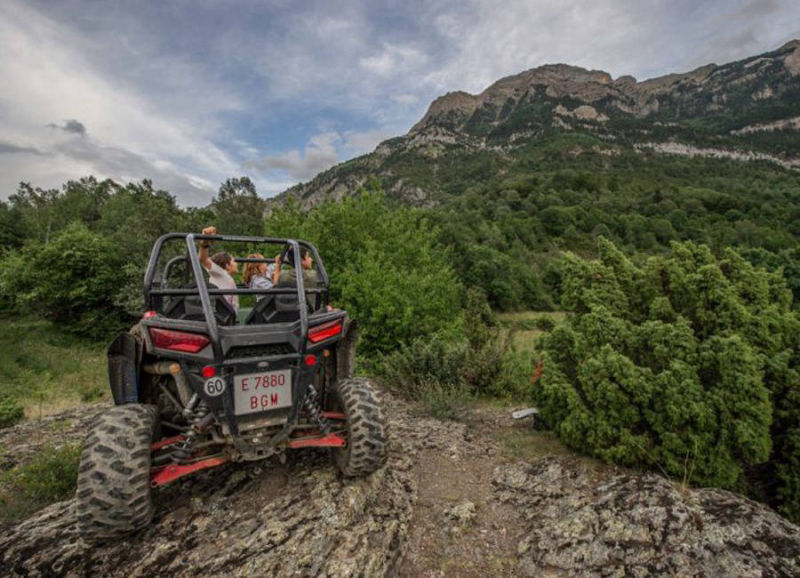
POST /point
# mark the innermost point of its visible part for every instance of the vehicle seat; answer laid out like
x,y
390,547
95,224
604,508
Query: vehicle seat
x,y
190,308
274,309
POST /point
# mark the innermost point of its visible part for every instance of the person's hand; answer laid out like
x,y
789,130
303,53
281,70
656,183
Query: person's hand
x,y
278,259
212,230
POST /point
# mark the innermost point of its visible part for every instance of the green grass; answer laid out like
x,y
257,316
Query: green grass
x,y
528,320
49,477
528,327
45,370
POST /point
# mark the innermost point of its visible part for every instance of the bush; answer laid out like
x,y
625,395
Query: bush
x,y
386,268
412,368
688,362
435,368
544,323
49,477
71,280
11,411
446,400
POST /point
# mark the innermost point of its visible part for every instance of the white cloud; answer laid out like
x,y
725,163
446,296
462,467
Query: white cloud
x,y
319,154
57,96
405,99
358,143
394,59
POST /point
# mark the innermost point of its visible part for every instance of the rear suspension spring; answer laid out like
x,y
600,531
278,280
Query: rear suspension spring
x,y
197,414
311,404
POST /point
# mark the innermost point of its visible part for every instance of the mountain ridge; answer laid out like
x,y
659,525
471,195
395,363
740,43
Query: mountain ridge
x,y
716,107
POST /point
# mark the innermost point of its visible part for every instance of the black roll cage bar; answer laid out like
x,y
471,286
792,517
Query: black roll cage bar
x,y
202,290
293,245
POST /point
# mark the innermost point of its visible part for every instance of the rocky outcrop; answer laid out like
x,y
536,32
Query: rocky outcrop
x,y
792,60
449,502
640,525
674,148
21,442
261,518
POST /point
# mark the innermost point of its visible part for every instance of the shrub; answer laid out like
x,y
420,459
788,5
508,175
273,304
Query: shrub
x,y
11,411
387,270
687,359
446,401
70,280
544,323
438,367
49,477
413,367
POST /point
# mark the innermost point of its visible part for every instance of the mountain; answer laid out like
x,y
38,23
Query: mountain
x,y
746,110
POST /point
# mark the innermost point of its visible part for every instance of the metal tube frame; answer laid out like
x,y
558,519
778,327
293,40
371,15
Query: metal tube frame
x,y
213,331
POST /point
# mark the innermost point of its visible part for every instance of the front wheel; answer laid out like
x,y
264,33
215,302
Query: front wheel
x,y
365,451
113,495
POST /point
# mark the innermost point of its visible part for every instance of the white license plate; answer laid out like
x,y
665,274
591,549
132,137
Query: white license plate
x,y
254,392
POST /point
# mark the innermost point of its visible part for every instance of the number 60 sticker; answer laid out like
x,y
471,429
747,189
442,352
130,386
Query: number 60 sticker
x,y
214,386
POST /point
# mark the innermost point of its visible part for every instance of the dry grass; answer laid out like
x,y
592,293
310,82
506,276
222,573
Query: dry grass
x,y
526,443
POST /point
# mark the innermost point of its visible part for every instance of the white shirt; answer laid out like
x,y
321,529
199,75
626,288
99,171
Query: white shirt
x,y
220,277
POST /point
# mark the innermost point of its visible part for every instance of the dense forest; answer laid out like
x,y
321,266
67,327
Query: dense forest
x,y
681,242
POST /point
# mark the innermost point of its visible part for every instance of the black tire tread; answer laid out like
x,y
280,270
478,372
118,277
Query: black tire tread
x,y
366,443
113,494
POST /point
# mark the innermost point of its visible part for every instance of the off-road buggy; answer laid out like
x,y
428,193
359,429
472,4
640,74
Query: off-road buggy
x,y
197,384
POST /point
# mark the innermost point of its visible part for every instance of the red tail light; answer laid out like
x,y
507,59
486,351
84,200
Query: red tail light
x,y
178,340
325,331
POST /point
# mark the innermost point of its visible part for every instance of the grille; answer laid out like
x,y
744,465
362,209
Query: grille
x,y
260,350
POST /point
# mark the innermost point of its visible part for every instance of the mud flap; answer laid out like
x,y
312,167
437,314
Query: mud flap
x,y
346,350
123,375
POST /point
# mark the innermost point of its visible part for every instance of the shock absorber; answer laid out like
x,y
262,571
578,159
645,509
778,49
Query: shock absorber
x,y
199,419
311,403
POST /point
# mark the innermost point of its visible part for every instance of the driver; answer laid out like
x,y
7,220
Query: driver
x,y
221,266
289,276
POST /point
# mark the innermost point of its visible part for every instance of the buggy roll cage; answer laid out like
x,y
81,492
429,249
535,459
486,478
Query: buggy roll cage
x,y
204,292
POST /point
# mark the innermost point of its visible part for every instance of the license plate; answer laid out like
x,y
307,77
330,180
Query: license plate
x,y
254,392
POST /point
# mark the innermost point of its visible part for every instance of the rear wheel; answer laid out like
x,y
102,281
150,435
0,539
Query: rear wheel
x,y
113,495
366,430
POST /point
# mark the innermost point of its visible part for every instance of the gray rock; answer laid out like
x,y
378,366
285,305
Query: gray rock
x,y
640,525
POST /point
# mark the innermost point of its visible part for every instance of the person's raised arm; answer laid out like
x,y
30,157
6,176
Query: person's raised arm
x,y
276,274
205,260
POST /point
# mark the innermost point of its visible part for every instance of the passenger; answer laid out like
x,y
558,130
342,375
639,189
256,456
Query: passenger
x,y
221,266
289,276
258,275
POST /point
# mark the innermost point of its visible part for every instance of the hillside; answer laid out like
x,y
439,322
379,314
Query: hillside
x,y
745,110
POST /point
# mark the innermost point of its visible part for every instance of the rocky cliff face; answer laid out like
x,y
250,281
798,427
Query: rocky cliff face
x,y
450,502
716,107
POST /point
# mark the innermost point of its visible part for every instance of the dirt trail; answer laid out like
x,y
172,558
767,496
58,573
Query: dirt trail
x,y
453,500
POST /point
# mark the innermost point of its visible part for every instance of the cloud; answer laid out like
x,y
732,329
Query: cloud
x,y
358,143
393,59
70,126
127,166
405,99
192,95
7,148
135,131
319,154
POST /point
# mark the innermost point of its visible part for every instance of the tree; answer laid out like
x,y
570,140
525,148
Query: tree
x,y
238,210
72,280
688,362
387,270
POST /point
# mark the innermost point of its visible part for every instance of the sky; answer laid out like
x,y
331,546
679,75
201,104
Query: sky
x,y
188,93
